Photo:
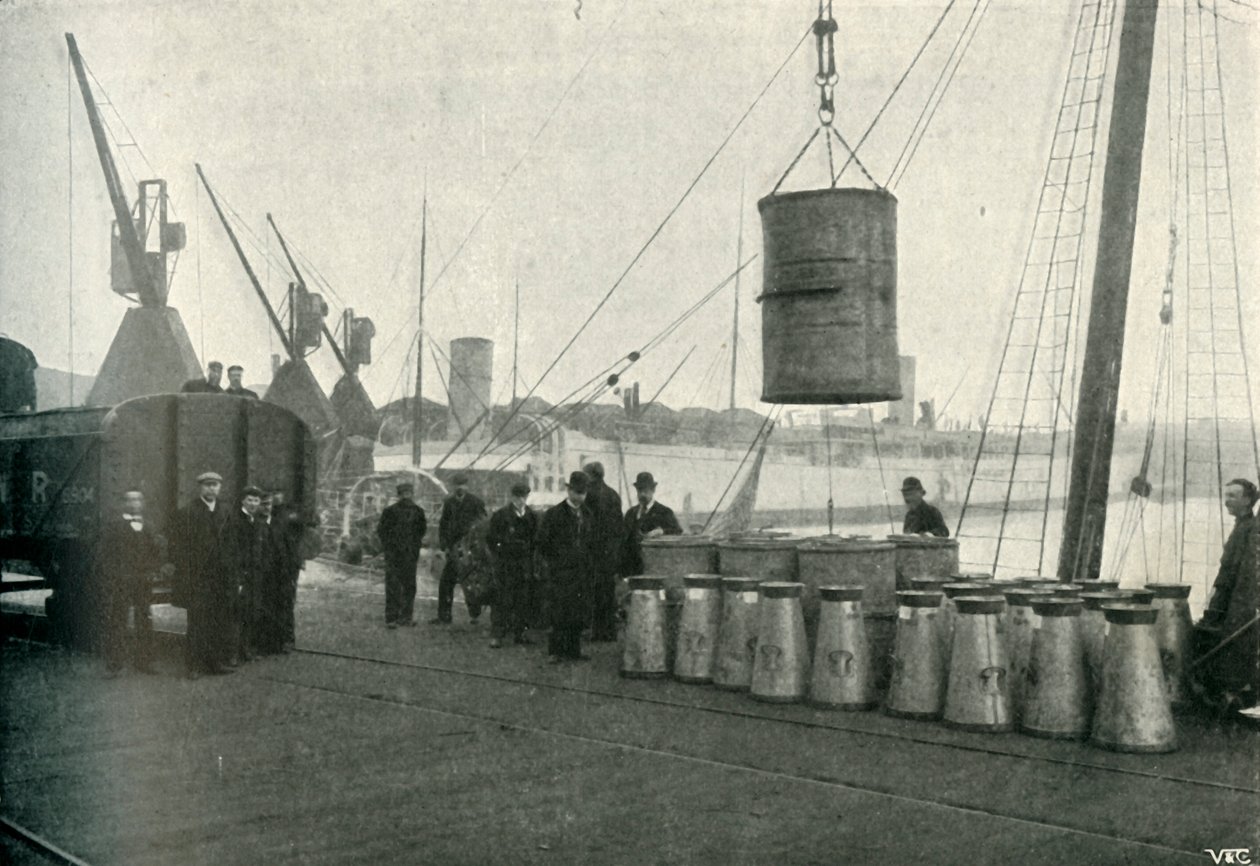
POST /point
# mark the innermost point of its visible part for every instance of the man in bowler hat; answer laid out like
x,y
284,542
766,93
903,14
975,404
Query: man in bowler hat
x,y
460,511
511,536
647,519
565,543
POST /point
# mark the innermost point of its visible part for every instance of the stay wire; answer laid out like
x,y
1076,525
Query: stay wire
x,y
668,216
896,88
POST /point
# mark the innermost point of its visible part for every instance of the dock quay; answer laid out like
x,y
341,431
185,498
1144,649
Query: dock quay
x,y
425,745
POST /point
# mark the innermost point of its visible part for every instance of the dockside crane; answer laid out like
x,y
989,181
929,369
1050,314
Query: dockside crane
x,y
151,352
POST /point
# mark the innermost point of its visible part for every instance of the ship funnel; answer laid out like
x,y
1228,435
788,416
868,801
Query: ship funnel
x,y
472,364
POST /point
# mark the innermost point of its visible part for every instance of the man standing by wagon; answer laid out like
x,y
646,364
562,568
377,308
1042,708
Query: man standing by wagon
x,y
235,374
565,543
608,532
921,517
127,560
648,519
208,385
460,511
289,528
511,536
401,530
200,584
243,562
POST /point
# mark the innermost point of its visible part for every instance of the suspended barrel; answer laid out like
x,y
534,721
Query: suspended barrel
x,y
829,305
924,557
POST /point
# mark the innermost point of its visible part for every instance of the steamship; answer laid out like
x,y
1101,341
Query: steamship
x,y
699,456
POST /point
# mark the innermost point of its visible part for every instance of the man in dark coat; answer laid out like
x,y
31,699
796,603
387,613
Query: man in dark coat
x,y
608,538
511,536
267,603
1228,677
244,560
127,559
401,530
648,519
460,511
921,518
208,385
200,583
235,374
289,529
566,545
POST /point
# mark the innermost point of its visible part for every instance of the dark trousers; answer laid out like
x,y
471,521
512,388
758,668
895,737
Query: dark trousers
x,y
446,593
116,636
206,639
510,606
288,617
565,641
400,589
604,605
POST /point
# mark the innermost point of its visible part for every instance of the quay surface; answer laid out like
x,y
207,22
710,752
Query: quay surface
x,y
424,745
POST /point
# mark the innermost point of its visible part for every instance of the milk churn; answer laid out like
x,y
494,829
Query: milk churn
x,y
1134,713
1099,585
698,629
781,663
978,695
1172,635
930,584
829,301
766,559
737,635
1138,596
917,688
644,654
1093,628
963,576
1068,590
1020,621
924,557
949,608
842,677
1057,698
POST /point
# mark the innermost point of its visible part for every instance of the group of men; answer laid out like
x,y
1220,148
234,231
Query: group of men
x,y
234,568
567,560
211,384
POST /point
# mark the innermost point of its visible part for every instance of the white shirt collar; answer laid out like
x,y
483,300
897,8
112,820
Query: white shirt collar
x,y
209,505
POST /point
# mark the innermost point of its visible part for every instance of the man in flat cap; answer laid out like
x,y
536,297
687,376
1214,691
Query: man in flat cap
x,y
648,519
460,511
566,545
921,517
608,535
208,385
511,540
201,586
235,388
401,531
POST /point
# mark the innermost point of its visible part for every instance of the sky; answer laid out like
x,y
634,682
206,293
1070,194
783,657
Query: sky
x,y
341,119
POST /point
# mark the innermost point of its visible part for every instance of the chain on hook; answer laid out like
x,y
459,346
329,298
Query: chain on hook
x,y
824,34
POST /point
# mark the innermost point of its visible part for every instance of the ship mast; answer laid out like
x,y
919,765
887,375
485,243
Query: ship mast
x,y
1085,520
739,257
417,444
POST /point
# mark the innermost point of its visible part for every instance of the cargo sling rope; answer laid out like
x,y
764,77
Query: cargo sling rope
x,y
824,30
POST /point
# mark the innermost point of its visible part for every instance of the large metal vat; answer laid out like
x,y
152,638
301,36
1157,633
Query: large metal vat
x,y
64,471
924,557
672,556
829,302
871,565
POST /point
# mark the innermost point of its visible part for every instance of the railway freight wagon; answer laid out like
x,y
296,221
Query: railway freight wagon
x,y
64,471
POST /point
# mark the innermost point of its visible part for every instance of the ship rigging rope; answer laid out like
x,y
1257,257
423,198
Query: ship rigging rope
x,y
668,216
629,360
897,87
651,344
767,425
968,32
879,460
494,197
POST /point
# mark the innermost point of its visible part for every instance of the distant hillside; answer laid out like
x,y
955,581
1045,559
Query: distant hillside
x,y
52,388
